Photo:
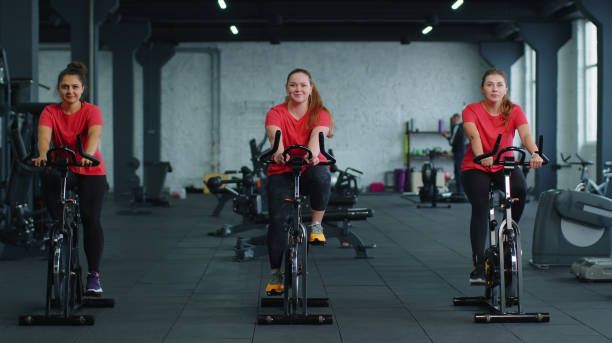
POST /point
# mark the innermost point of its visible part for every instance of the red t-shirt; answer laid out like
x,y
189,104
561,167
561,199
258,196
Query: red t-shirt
x,y
67,126
488,128
294,131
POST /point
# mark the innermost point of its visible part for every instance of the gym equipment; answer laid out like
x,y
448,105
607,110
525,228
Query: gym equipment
x,y
344,189
586,184
150,193
570,225
249,201
429,192
593,269
256,176
21,211
64,274
337,224
154,176
503,257
295,302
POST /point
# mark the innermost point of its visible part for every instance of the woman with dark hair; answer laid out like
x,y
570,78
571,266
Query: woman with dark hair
x,y
300,119
61,123
483,122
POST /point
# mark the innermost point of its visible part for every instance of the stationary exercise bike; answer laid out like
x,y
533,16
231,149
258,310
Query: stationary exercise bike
x,y
587,184
295,302
429,192
503,257
65,287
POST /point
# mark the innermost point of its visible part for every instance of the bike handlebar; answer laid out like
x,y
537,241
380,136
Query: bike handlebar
x,y
265,157
72,160
582,162
522,153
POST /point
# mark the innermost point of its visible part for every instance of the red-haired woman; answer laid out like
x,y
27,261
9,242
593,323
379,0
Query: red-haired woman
x,y
300,119
483,122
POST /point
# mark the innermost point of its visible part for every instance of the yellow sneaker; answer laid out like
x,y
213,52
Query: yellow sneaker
x,y
275,285
316,234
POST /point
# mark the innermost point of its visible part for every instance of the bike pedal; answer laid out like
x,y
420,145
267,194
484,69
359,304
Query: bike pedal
x,y
477,283
317,242
93,294
512,301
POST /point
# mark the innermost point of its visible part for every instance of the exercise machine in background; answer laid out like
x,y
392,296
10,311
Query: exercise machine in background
x,y
569,226
21,209
249,200
585,183
430,192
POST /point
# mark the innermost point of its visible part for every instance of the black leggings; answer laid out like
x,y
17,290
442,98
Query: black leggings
x,y
476,185
315,182
91,189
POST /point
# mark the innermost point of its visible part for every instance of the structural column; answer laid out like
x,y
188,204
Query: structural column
x,y
153,57
600,13
546,40
19,37
123,39
85,18
501,55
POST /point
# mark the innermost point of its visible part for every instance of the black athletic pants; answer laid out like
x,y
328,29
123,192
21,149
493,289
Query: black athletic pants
x,y
91,189
476,186
314,182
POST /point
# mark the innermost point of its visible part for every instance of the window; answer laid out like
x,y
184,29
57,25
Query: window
x,y
530,87
590,82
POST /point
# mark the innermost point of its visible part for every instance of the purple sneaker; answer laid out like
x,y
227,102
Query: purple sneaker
x,y
93,284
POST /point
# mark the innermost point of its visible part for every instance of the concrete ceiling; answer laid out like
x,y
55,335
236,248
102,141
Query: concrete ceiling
x,y
325,20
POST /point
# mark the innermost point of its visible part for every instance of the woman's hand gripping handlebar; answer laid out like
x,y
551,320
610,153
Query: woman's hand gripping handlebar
x,y
68,156
498,154
286,157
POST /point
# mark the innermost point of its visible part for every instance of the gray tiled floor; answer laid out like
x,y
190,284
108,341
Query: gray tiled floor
x,y
174,283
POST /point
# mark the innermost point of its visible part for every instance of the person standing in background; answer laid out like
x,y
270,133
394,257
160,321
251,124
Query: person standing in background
x,y
457,141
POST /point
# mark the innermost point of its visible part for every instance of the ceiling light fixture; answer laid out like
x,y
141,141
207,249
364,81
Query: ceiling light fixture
x,y
427,29
223,5
234,29
455,5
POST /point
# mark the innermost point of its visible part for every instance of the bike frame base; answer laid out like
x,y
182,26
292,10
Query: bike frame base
x,y
312,319
281,318
498,317
278,302
495,316
83,319
80,319
98,302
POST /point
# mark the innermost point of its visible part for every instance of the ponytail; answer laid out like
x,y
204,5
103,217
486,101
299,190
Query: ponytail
x,y
506,108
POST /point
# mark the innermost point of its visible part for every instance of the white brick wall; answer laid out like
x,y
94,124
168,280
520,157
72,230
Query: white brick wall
x,y
372,89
